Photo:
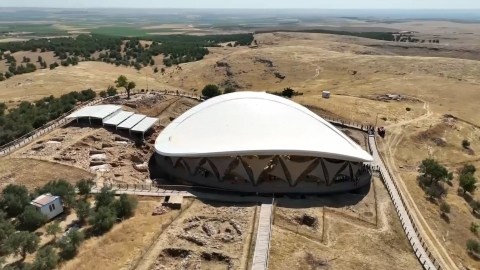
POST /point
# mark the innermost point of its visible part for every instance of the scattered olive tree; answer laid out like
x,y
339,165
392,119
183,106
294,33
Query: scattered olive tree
x,y
122,81
22,243
211,90
53,229
31,218
69,243
14,199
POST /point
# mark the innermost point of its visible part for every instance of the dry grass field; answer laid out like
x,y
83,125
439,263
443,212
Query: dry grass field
x,y
356,71
124,244
95,75
35,173
345,237
46,56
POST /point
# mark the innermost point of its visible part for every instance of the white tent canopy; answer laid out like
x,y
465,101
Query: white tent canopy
x,y
118,118
145,124
131,121
253,123
97,111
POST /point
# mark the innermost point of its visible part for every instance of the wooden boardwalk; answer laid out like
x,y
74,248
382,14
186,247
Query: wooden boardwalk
x,y
401,209
264,232
159,192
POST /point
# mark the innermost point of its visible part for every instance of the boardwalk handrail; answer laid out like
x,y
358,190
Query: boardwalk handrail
x,y
7,148
62,120
422,252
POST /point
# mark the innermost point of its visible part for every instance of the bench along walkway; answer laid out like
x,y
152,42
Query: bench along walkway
x,y
400,208
264,232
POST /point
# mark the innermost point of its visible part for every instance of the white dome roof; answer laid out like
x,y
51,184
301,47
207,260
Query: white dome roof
x,y
253,123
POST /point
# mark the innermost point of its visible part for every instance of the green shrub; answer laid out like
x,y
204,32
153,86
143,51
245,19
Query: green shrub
x,y
104,198
211,90
31,218
14,199
84,186
22,243
125,206
408,109
468,182
27,116
444,208
474,227
103,94
473,245
103,219
45,259
465,144
53,229
111,91
69,243
468,168
83,210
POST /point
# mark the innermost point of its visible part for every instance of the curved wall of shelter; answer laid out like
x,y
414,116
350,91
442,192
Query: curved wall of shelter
x,y
268,174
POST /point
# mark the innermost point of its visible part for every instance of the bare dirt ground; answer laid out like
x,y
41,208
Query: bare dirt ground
x,y
35,173
206,236
112,156
440,138
343,236
356,71
123,245
312,63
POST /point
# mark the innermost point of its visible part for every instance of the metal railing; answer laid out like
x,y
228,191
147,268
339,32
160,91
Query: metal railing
x,y
61,121
431,257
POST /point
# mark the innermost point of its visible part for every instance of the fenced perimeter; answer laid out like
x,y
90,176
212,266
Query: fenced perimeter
x,y
412,231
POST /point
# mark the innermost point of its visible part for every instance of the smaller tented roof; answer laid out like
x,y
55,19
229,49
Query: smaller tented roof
x,y
43,200
131,121
145,124
97,111
118,118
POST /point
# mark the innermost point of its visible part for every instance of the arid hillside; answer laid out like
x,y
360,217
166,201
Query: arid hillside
x,y
62,80
312,63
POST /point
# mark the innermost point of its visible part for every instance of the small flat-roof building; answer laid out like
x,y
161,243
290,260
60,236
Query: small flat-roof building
x,y
51,206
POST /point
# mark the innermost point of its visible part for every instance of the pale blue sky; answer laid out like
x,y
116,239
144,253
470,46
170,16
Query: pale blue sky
x,y
254,4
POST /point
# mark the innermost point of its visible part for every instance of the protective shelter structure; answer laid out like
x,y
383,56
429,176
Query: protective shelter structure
x,y
97,112
144,125
112,115
258,142
117,118
130,122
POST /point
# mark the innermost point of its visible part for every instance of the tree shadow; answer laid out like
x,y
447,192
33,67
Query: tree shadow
x,y
18,264
432,200
445,218
475,256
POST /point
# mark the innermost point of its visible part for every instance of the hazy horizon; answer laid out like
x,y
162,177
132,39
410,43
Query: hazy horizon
x,y
251,4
